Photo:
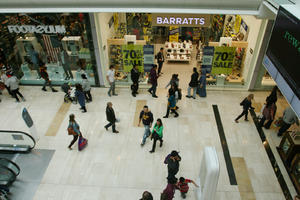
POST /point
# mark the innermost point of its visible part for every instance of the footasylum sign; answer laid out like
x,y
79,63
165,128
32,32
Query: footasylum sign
x,y
37,29
185,20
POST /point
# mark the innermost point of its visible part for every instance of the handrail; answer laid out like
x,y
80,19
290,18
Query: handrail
x,y
12,163
12,172
9,131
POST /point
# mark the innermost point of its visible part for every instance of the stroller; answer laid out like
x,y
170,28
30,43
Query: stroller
x,y
69,93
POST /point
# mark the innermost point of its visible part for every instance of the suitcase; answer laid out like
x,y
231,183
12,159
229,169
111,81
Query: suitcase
x,y
82,143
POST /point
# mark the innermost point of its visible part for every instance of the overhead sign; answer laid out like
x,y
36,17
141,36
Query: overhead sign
x,y
183,20
223,60
36,29
133,55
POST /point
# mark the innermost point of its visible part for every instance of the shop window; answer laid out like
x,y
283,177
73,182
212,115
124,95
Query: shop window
x,y
60,41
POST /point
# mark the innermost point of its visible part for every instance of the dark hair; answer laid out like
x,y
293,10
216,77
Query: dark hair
x,y
72,118
162,48
145,106
147,196
83,76
160,122
134,65
78,87
181,179
172,180
154,66
195,69
272,98
111,66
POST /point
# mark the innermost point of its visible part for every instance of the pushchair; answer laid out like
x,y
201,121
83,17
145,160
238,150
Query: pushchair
x,y
69,93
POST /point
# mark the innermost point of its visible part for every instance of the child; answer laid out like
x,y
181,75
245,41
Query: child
x,y
184,187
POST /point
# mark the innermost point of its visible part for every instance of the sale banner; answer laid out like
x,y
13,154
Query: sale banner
x,y
132,55
207,60
173,34
223,60
148,57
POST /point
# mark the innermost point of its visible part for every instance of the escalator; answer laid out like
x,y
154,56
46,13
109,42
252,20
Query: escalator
x,y
8,172
16,141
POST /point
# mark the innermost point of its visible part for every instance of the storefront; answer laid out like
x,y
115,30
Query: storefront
x,y
63,41
224,45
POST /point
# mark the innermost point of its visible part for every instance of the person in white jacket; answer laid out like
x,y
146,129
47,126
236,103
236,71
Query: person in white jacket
x,y
86,86
13,83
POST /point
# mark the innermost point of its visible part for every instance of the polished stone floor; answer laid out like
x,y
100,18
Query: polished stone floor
x,y
115,166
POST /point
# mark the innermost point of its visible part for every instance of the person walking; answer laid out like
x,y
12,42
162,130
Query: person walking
x,y
202,84
247,104
160,60
4,77
171,102
288,119
174,81
193,84
135,74
172,160
184,187
13,83
147,117
80,97
168,193
157,134
111,118
272,98
73,129
147,196
86,87
268,113
65,61
110,76
153,80
45,76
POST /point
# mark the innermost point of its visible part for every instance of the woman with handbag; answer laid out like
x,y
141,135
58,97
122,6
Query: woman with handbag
x,y
157,134
73,129
171,103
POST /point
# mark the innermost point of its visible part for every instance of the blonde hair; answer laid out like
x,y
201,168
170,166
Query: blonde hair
x,y
250,96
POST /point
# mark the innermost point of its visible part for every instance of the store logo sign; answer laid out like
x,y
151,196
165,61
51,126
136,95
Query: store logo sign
x,y
36,29
183,20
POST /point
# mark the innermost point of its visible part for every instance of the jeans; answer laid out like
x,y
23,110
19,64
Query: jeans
x,y
75,137
194,91
283,128
155,138
172,111
112,88
113,124
88,95
16,93
245,112
153,89
135,87
146,133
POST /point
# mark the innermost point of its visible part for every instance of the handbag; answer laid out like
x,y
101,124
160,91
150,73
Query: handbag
x,y
82,142
71,131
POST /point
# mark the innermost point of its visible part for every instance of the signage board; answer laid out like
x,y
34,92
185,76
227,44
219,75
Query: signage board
x,y
173,34
148,57
183,20
223,60
36,29
207,60
132,55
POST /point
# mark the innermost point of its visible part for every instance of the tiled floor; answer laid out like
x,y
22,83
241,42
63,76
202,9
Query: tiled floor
x,y
114,166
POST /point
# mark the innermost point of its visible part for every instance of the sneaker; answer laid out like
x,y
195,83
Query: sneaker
x,y
106,128
165,117
236,121
151,151
54,90
176,116
187,96
150,91
44,89
115,131
83,111
154,96
142,144
194,97
133,95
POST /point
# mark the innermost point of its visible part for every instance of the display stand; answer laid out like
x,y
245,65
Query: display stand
x,y
25,45
209,175
176,51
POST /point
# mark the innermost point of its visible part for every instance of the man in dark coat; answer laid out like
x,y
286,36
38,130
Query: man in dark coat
x,y
173,164
135,74
153,80
160,59
111,118
193,84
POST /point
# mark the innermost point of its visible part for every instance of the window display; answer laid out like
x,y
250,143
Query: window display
x,y
60,41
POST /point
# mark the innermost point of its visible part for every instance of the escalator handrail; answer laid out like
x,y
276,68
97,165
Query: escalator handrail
x,y
14,164
23,134
11,171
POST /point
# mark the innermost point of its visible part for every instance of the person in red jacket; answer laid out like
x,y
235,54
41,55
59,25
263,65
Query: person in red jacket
x,y
184,187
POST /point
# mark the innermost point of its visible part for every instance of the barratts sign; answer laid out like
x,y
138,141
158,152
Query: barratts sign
x,y
36,29
184,20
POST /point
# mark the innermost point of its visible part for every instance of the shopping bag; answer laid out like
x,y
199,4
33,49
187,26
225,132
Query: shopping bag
x,y
82,142
117,120
278,122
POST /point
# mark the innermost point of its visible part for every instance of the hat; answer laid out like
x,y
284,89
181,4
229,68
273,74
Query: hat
x,y
174,153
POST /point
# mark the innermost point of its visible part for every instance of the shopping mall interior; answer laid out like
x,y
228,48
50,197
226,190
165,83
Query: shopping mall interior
x,y
54,58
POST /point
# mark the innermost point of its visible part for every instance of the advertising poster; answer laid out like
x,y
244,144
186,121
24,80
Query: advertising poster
x,y
237,24
148,57
132,55
174,34
207,60
223,60
116,21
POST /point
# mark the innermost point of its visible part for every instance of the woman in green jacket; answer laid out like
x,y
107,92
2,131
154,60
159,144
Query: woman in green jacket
x,y
157,134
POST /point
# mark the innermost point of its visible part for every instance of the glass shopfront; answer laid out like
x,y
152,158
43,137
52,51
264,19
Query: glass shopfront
x,y
61,41
222,44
